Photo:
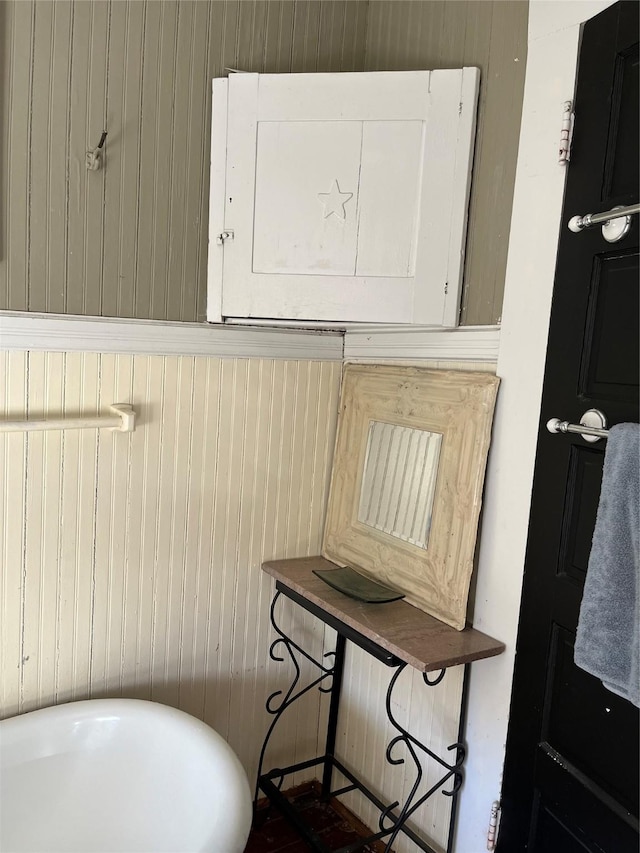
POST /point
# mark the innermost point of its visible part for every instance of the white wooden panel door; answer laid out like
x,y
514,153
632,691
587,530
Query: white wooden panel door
x,y
344,195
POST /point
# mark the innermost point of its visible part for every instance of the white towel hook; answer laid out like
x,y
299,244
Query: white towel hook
x,y
93,159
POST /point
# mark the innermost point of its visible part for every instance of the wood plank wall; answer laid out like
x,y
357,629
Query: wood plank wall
x,y
130,564
130,240
404,35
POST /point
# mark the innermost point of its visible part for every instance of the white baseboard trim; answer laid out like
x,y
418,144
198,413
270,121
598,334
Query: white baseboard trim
x,y
465,343
20,330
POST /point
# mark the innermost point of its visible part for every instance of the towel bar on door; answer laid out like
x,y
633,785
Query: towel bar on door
x,y
123,419
592,426
616,222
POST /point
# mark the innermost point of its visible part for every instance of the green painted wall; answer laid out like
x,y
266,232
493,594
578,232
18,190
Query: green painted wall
x,y
130,240
409,35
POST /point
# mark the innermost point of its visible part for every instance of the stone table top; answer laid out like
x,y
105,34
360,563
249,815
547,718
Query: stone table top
x,y
415,637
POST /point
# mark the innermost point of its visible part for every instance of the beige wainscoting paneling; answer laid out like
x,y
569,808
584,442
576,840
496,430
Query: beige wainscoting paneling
x,y
492,35
130,564
130,240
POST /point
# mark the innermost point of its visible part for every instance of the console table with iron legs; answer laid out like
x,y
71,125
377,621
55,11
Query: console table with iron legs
x,y
394,633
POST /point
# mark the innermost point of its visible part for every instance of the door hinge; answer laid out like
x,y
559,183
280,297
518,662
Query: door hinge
x,y
566,133
222,238
494,820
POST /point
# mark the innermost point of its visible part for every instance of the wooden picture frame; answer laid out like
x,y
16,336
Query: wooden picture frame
x,y
412,405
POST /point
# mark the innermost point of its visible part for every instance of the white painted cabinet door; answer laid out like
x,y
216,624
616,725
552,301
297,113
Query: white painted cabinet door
x,y
343,197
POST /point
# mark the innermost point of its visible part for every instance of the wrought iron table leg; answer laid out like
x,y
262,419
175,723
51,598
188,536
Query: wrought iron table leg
x,y
332,725
280,700
414,747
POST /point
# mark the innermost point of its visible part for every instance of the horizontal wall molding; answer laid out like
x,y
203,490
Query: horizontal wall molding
x,y
466,343
67,333
21,330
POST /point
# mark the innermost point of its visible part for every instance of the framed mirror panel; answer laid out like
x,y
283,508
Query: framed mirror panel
x,y
408,473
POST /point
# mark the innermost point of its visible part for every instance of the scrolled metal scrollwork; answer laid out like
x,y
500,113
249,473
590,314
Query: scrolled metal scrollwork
x,y
391,823
277,650
436,680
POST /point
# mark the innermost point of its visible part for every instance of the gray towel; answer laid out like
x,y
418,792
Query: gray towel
x,y
607,640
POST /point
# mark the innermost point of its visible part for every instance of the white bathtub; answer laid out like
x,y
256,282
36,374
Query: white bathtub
x,y
118,776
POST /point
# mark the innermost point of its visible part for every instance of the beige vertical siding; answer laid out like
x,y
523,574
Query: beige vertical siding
x,y
492,35
130,565
130,240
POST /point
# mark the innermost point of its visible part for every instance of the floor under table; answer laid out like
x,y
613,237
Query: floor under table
x,y
274,835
